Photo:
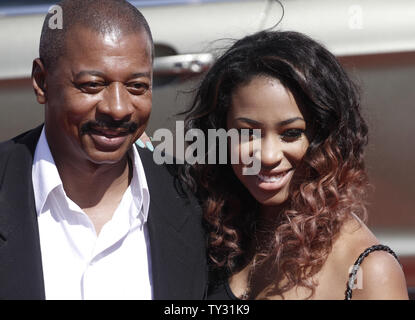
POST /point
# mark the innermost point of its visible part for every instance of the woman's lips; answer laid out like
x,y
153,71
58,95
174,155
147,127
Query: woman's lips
x,y
273,182
108,140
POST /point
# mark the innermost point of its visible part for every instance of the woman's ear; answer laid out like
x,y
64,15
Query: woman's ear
x,y
38,80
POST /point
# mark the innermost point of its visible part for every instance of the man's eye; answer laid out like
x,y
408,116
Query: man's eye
x,y
92,87
292,134
138,87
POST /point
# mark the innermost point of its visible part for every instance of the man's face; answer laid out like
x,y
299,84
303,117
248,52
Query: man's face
x,y
98,96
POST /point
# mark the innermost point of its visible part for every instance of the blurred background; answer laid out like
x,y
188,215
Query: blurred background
x,y
373,39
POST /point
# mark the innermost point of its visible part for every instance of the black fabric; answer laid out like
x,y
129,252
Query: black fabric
x,y
21,275
221,291
177,240
175,227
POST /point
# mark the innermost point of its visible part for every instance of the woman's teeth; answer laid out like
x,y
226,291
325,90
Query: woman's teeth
x,y
272,178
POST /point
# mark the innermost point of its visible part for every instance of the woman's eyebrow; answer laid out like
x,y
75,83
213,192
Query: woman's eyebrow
x,y
281,123
288,121
249,121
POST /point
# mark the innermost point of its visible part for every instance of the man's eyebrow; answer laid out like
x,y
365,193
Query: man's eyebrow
x,y
140,75
102,75
90,73
281,123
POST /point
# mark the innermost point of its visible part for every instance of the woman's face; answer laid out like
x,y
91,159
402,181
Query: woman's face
x,y
264,103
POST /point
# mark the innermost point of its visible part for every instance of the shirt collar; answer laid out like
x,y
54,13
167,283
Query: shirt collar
x,y
138,185
45,175
46,178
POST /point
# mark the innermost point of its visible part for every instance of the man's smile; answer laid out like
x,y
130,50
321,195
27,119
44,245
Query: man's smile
x,y
108,139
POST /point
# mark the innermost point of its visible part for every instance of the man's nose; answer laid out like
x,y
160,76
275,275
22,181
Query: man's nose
x,y
116,102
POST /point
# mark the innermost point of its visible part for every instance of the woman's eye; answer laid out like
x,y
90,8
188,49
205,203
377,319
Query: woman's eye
x,y
246,131
292,134
250,133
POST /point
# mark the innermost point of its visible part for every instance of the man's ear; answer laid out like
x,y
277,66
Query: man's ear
x,y
39,80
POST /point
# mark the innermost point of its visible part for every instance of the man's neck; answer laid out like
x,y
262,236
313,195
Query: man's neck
x,y
96,189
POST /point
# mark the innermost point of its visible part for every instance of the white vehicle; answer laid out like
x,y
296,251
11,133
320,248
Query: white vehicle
x,y
374,39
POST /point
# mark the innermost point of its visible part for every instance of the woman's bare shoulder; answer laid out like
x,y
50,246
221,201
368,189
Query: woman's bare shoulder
x,y
354,237
381,276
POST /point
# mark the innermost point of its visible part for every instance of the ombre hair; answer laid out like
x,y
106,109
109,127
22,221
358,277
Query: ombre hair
x,y
329,185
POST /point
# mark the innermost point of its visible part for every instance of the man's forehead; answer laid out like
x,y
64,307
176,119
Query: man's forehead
x,y
88,50
109,35
86,43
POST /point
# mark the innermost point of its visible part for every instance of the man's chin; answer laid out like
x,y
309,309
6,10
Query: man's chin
x,y
100,157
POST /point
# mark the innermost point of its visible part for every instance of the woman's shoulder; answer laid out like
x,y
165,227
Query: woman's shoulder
x,y
354,237
379,275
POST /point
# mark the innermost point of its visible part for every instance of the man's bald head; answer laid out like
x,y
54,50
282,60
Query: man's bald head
x,y
101,16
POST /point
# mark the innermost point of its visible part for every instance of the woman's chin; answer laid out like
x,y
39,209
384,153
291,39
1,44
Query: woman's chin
x,y
273,200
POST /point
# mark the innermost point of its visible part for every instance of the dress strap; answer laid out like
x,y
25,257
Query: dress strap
x,y
356,266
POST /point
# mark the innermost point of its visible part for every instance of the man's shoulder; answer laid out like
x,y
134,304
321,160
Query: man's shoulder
x,y
24,142
166,174
7,148
165,184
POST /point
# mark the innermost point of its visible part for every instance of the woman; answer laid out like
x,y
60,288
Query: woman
x,y
295,229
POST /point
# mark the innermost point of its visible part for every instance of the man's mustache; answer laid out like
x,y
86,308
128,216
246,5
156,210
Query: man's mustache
x,y
128,127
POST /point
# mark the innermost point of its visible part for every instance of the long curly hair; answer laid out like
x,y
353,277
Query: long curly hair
x,y
328,187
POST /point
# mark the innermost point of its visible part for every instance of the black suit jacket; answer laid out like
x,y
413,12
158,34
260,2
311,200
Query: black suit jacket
x,y
177,240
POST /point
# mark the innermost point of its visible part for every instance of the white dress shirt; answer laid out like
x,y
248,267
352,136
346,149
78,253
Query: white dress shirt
x,y
78,264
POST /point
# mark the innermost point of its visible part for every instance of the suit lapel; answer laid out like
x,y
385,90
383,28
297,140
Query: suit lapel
x,y
176,238
21,276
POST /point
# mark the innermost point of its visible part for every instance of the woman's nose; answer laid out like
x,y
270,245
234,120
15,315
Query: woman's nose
x,y
271,152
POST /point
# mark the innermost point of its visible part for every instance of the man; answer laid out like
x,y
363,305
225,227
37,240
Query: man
x,y
83,213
